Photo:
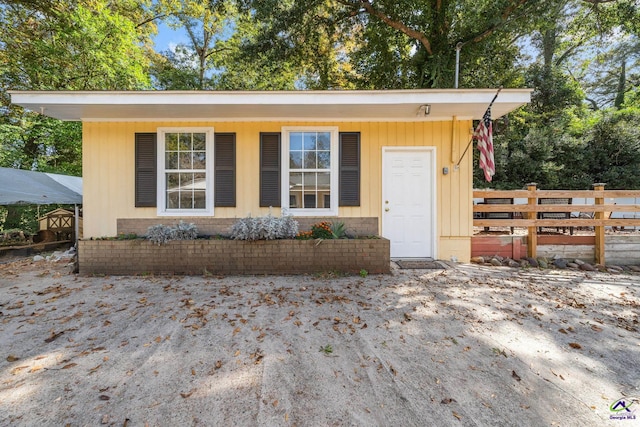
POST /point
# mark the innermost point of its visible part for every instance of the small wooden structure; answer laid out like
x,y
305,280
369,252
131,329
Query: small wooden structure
x,y
59,224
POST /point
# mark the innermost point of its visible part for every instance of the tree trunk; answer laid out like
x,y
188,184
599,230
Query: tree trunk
x,y
14,218
621,85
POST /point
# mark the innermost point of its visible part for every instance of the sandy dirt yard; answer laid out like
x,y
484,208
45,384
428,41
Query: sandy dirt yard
x,y
468,345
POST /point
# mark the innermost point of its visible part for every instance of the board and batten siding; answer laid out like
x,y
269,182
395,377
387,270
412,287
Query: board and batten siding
x,y
109,173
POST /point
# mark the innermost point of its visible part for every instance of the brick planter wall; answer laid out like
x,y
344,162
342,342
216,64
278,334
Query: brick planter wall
x,y
233,257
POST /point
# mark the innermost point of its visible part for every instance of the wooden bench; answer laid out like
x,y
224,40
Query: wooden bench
x,y
498,215
555,215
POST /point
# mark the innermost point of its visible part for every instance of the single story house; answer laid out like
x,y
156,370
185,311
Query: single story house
x,y
387,157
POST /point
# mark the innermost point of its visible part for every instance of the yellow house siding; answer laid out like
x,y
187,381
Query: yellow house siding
x,y
108,165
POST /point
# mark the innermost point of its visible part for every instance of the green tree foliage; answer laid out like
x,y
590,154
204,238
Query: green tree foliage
x,y
612,149
392,43
191,66
582,52
63,45
78,46
88,45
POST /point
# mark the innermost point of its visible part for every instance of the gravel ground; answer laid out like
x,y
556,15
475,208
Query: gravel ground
x,y
468,345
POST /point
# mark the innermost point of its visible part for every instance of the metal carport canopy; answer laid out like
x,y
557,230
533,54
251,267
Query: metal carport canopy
x,y
23,187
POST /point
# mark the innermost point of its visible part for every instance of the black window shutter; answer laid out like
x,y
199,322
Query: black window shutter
x,y
349,193
270,169
225,170
145,169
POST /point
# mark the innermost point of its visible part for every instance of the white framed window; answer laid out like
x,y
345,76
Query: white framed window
x,y
185,171
310,170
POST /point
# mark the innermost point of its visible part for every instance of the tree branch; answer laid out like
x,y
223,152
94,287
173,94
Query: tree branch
x,y
211,52
598,1
594,104
568,52
504,17
414,34
153,18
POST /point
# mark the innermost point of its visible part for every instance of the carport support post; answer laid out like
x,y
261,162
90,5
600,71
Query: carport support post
x,y
532,238
76,236
599,228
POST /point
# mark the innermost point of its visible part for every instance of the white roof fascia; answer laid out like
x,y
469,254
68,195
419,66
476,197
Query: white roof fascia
x,y
392,105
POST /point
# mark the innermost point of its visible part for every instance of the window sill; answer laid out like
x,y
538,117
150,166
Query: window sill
x,y
179,213
311,212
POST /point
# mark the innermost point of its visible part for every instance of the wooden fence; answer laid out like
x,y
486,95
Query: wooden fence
x,y
596,215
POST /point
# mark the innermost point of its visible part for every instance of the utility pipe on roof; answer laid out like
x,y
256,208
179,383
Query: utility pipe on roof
x,y
458,48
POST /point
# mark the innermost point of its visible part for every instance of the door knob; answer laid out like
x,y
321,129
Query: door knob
x,y
386,209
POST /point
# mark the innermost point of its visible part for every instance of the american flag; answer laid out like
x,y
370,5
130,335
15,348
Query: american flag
x,y
484,135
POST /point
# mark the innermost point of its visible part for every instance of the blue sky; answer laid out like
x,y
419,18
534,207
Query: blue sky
x,y
167,36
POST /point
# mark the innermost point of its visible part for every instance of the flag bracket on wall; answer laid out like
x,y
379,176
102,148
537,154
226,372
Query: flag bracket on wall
x,y
483,134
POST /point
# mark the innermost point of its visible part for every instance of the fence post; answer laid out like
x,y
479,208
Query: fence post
x,y
532,238
599,229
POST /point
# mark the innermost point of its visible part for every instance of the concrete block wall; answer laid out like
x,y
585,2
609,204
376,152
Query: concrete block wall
x,y
197,257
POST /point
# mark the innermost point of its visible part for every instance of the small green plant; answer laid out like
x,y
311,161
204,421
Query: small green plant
x,y
127,236
327,349
338,230
321,230
364,273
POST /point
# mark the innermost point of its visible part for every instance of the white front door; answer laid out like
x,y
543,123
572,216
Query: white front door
x,y
408,201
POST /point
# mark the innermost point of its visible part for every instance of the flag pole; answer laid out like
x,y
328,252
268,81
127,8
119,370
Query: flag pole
x,y
471,140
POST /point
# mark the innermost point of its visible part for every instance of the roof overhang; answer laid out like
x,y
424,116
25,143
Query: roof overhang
x,y
388,105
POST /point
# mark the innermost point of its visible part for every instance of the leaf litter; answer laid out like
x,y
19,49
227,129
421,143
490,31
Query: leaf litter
x,y
446,335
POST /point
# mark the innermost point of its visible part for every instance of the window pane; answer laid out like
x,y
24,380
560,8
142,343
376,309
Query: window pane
x,y
295,160
171,141
186,181
171,160
185,142
185,160
295,199
186,200
173,181
199,160
295,141
310,160
173,200
324,180
199,200
309,200
310,181
295,180
324,160
324,141
200,181
199,141
310,141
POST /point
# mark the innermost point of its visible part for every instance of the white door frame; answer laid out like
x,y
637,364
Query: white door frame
x,y
433,189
